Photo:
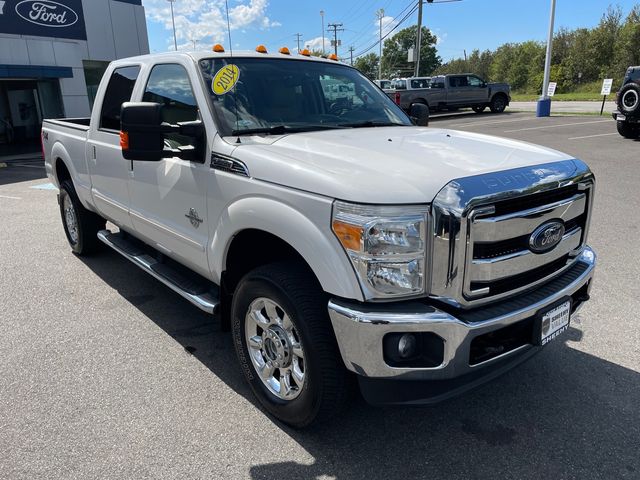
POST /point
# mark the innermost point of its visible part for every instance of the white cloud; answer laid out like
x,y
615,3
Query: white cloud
x,y
316,43
388,23
205,20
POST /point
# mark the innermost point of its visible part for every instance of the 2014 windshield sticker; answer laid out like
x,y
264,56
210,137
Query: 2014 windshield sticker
x,y
225,79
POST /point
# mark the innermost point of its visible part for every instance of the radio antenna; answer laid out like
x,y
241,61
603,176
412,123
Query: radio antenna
x,y
235,98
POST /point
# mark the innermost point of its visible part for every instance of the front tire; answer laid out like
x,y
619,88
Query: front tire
x,y
285,344
627,130
81,226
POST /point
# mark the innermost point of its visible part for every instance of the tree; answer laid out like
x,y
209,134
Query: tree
x,y
368,65
396,49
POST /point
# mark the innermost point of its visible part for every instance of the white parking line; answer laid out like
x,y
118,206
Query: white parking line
x,y
10,198
524,119
590,136
555,126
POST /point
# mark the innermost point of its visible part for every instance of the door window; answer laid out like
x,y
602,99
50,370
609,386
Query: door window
x,y
474,81
457,82
169,86
118,91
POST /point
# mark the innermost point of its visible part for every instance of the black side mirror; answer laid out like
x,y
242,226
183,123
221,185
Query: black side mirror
x,y
419,114
142,135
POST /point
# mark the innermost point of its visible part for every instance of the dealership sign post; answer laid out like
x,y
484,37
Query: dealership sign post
x,y
606,90
43,18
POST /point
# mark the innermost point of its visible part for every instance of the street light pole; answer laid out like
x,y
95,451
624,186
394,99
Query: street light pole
x,y
380,14
418,40
322,16
173,21
544,104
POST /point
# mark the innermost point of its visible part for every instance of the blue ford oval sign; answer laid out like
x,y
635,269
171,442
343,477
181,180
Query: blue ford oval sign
x,y
46,13
546,236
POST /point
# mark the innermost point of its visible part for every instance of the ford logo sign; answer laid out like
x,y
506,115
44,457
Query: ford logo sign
x,y
546,236
46,13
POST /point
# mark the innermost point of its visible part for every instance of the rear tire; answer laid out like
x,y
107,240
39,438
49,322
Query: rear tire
x,y
498,103
629,99
81,226
286,347
628,130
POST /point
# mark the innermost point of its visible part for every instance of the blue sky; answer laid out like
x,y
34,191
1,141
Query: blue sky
x,y
467,24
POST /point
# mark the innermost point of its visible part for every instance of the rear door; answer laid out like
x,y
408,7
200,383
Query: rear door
x,y
169,197
109,170
458,90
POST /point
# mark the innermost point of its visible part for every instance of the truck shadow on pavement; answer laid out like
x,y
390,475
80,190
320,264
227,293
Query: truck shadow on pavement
x,y
563,414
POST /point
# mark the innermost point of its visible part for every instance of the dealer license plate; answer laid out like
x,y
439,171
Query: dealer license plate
x,y
554,322
620,118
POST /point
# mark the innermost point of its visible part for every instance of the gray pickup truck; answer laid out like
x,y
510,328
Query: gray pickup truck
x,y
456,91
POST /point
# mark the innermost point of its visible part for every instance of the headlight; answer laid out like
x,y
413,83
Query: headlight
x,y
386,245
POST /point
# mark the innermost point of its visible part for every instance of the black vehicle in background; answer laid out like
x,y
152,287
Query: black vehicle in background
x,y
628,99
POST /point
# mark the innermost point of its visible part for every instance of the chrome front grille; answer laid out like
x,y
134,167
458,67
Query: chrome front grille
x,y
506,237
483,226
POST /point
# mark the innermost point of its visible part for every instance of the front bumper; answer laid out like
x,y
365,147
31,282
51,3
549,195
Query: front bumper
x,y
360,329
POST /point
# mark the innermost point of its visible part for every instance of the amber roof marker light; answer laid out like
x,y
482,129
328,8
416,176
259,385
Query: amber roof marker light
x,y
284,51
218,48
261,49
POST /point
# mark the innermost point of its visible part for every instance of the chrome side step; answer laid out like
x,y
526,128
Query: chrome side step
x,y
205,299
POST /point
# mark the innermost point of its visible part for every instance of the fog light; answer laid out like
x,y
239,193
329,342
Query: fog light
x,y
407,345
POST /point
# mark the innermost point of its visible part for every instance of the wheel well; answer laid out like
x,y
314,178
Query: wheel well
x,y
250,249
499,94
62,172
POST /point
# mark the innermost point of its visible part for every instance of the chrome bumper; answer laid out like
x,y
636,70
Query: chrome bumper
x,y
360,328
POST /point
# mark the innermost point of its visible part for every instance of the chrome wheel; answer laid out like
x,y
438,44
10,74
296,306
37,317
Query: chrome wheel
x,y
70,219
275,348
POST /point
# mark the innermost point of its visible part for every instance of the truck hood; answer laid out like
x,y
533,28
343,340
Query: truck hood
x,y
384,165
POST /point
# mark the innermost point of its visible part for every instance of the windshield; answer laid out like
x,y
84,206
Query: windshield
x,y
274,96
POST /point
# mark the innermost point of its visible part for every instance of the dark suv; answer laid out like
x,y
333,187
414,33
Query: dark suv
x,y
628,99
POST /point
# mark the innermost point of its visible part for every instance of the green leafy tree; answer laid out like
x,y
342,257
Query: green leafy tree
x,y
368,65
396,48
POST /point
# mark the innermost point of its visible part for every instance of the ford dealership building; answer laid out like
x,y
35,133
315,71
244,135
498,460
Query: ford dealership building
x,y
53,54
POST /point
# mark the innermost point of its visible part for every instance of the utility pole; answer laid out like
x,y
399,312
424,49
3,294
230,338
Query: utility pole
x,y
351,49
173,21
195,42
322,16
298,35
380,14
418,40
419,37
544,104
336,28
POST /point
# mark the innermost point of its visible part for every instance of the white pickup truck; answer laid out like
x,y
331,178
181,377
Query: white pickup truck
x,y
339,243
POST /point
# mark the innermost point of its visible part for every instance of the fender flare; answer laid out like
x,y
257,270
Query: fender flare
x,y
319,248
60,154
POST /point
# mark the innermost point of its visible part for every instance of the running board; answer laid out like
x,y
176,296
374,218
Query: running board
x,y
206,299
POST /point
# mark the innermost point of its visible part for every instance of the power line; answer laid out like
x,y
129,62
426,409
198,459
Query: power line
x,y
411,12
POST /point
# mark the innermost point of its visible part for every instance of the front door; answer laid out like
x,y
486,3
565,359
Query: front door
x,y
477,90
169,197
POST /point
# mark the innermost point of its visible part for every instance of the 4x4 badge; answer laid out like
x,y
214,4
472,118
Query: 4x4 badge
x,y
194,218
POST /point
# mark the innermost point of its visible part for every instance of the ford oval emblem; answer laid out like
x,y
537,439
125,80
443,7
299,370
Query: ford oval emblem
x,y
46,13
546,236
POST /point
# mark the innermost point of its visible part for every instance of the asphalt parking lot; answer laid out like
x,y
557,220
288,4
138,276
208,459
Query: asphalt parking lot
x,y
105,373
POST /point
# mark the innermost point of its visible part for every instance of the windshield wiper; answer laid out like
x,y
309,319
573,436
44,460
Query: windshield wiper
x,y
282,129
370,123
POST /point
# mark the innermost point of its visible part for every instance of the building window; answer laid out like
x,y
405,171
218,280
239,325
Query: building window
x,y
93,72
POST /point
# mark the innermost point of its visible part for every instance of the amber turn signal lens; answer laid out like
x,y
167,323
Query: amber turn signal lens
x,y
350,236
124,140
